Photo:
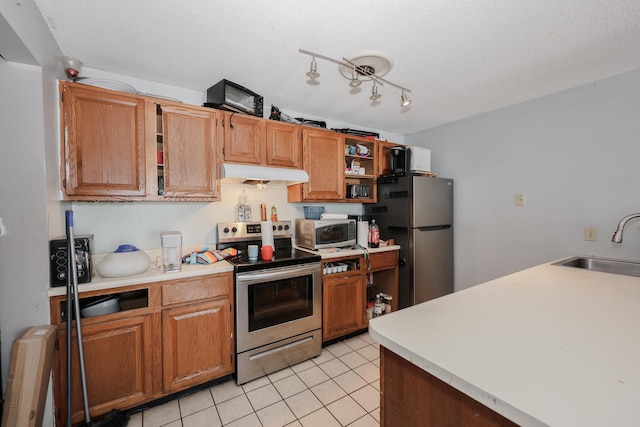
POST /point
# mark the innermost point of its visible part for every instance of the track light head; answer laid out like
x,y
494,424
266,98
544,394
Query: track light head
x,y
374,92
405,100
313,71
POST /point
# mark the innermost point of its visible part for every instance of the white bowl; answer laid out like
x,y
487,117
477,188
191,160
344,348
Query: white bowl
x,y
100,307
119,264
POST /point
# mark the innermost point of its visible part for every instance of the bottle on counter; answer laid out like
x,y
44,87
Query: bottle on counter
x,y
263,212
240,216
378,306
369,310
374,234
247,208
274,213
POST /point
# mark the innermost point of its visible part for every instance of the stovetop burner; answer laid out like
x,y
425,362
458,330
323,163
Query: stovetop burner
x,y
240,235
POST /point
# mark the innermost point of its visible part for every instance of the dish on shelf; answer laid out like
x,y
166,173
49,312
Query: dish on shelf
x,y
108,84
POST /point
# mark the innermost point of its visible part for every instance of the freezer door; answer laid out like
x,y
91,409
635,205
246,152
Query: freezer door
x,y
432,201
432,263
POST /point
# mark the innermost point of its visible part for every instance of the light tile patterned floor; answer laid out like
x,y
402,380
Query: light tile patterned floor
x,y
338,388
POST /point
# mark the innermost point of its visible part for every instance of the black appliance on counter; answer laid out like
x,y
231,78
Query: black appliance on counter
x,y
400,159
278,303
230,96
58,260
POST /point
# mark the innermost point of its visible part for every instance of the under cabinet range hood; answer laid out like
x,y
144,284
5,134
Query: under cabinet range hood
x,y
250,174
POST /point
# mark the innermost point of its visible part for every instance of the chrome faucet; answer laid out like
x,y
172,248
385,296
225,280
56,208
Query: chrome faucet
x,y
617,236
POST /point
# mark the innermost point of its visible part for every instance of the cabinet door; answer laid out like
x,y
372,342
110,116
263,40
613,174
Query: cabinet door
x,y
197,343
104,142
189,152
323,159
118,364
284,145
243,139
343,305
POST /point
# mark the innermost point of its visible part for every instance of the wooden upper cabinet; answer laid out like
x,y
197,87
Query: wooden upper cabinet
x,y
104,136
120,146
284,145
323,159
188,138
243,136
253,140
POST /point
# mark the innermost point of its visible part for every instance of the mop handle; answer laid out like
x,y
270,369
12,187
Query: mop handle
x,y
73,272
70,251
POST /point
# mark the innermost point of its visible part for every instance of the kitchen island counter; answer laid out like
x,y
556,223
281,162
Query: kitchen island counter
x,y
550,345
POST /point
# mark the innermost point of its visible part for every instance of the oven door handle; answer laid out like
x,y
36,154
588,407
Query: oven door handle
x,y
277,273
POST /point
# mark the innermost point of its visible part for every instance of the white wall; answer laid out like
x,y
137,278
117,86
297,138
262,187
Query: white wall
x,y
575,155
24,269
140,223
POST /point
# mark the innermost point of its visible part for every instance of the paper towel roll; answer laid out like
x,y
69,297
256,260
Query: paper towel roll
x,y
266,230
363,233
333,216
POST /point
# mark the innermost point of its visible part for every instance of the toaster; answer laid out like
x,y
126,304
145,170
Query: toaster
x,y
358,191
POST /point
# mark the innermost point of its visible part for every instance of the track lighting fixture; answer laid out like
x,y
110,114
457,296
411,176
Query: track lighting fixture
x,y
355,82
368,66
374,92
405,100
313,72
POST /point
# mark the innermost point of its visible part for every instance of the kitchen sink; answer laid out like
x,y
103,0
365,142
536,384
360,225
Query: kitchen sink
x,y
606,265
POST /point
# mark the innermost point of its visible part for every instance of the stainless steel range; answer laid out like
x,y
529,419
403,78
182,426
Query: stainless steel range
x,y
278,301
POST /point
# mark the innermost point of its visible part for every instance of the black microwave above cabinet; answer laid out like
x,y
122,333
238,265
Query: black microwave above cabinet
x,y
226,95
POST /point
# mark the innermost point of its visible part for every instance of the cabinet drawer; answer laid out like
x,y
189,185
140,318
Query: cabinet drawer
x,y
199,288
383,260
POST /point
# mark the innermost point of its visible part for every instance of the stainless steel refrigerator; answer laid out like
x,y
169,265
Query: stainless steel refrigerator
x,y
417,212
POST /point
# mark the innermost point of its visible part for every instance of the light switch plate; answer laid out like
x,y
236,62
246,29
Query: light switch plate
x,y
519,199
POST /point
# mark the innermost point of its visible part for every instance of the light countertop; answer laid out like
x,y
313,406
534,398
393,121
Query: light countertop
x,y
152,274
99,282
550,345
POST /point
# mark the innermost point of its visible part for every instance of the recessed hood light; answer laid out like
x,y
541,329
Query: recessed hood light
x,y
230,172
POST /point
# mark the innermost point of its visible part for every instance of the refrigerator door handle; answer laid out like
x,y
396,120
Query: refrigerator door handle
x,y
434,227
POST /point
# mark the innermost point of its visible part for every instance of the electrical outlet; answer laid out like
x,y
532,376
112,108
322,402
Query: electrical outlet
x,y
519,199
590,234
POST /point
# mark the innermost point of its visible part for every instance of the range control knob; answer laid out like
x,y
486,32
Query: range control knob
x,y
280,228
234,229
286,227
226,230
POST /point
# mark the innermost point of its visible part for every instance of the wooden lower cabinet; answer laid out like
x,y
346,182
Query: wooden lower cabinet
x,y
196,344
343,304
118,362
412,397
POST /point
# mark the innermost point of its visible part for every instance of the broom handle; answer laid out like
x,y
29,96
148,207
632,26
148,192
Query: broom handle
x,y
71,243
70,251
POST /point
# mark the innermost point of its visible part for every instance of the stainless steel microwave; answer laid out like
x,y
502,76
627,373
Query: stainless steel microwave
x,y
325,233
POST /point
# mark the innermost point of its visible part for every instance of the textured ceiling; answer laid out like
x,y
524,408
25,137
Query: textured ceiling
x,y
459,58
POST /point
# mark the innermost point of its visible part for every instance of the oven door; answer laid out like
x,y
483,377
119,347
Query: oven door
x,y
277,303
